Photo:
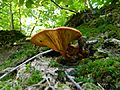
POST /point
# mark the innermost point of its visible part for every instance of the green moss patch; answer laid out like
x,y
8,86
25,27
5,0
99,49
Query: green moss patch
x,y
104,71
112,30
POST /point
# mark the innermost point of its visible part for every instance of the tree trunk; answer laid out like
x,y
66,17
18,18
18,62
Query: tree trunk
x,y
20,18
11,16
36,17
90,5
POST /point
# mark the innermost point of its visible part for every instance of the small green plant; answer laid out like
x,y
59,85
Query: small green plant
x,y
28,66
9,76
35,77
53,63
10,85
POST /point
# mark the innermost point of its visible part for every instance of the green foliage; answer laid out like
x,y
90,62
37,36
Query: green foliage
x,y
61,75
29,3
43,13
54,63
9,76
35,77
28,67
104,71
9,83
21,2
90,86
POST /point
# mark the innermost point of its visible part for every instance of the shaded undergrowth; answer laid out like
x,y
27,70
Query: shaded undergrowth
x,y
24,52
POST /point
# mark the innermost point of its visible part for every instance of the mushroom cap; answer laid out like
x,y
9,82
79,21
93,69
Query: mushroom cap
x,y
57,38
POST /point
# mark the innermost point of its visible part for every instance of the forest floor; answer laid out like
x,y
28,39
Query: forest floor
x,y
100,71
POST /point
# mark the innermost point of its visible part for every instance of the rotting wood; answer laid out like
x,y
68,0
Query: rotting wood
x,y
28,60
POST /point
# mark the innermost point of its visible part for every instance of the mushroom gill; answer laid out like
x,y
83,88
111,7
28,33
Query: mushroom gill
x,y
57,39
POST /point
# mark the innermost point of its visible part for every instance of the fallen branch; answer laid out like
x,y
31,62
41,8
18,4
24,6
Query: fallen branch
x,y
39,84
47,79
50,86
30,59
76,84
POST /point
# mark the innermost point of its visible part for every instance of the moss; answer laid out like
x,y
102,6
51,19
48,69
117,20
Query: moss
x,y
105,23
35,77
9,83
109,29
9,76
54,63
24,51
9,37
90,86
104,71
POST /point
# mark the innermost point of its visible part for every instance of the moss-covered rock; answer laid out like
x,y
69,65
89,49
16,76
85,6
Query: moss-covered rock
x,y
9,37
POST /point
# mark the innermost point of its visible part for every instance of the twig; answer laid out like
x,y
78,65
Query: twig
x,y
91,42
38,84
100,86
35,22
24,63
62,7
76,84
50,86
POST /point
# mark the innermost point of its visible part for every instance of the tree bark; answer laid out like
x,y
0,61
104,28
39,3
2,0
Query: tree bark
x,y
90,5
20,18
11,16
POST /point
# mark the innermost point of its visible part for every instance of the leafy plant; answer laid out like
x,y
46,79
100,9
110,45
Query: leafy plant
x,y
54,63
28,67
35,77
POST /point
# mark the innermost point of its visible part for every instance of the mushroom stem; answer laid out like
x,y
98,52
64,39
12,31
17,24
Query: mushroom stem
x,y
82,43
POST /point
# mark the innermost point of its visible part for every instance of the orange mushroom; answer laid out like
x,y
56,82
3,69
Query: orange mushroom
x,y
57,39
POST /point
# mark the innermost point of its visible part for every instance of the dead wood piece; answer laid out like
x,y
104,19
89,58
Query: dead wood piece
x,y
91,42
38,84
76,84
100,86
28,60
41,85
49,83
47,76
